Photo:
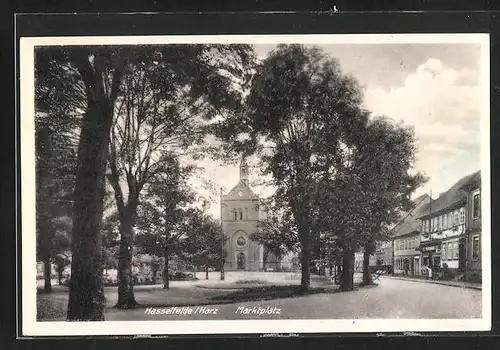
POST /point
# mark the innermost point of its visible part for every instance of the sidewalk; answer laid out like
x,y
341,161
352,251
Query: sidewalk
x,y
462,284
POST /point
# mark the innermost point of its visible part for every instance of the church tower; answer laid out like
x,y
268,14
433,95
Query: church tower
x,y
240,215
244,171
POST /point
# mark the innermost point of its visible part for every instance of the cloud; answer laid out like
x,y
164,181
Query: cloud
x,y
443,104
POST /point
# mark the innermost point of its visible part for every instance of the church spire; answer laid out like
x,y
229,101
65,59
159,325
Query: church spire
x,y
244,171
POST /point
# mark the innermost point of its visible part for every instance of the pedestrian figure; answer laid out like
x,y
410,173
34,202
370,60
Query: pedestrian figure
x,y
429,272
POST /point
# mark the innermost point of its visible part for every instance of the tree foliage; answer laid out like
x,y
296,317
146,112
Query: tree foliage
x,y
370,187
55,167
299,109
202,244
87,82
169,95
277,231
84,81
162,214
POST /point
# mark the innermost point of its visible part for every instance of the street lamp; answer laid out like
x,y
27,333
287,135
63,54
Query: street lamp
x,y
222,241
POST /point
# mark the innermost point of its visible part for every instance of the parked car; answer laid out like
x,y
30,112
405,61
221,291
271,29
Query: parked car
x,y
181,276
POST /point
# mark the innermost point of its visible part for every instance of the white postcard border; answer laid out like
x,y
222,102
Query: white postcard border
x,y
30,326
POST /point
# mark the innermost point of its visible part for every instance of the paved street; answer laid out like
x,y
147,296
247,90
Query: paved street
x,y
390,299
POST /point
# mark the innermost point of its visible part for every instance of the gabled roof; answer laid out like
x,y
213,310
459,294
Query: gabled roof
x,y
453,197
246,192
410,222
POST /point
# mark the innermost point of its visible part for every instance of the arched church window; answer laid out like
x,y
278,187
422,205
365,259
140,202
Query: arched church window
x,y
235,215
241,214
246,213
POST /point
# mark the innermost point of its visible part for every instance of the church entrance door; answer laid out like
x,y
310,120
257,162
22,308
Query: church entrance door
x,y
241,261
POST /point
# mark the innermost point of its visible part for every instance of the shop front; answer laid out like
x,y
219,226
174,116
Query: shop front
x,y
408,265
431,254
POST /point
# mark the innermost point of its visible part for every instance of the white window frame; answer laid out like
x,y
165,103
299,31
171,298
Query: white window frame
x,y
474,194
455,250
449,251
461,216
478,245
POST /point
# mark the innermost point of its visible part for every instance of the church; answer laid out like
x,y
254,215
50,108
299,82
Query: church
x,y
240,216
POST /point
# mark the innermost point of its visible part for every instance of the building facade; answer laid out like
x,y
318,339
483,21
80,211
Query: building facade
x,y
358,260
240,216
406,240
443,227
473,271
384,254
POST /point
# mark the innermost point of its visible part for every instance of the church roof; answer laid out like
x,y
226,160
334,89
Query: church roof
x,y
240,188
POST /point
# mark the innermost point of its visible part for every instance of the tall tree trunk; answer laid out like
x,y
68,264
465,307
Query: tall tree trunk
x,y
166,278
206,272
367,276
301,218
322,267
305,280
47,275
264,259
59,276
86,295
347,280
154,272
126,299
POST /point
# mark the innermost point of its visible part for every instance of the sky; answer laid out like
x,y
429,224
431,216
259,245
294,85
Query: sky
x,y
434,87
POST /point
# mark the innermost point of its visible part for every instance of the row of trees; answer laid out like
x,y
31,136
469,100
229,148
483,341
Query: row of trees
x,y
138,110
341,176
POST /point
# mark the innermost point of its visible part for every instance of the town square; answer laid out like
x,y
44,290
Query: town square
x,y
259,181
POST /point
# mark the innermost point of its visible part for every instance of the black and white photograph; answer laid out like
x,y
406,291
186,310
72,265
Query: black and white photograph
x,y
255,184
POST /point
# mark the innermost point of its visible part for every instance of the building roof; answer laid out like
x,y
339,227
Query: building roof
x,y
240,192
474,182
451,198
410,222
242,189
